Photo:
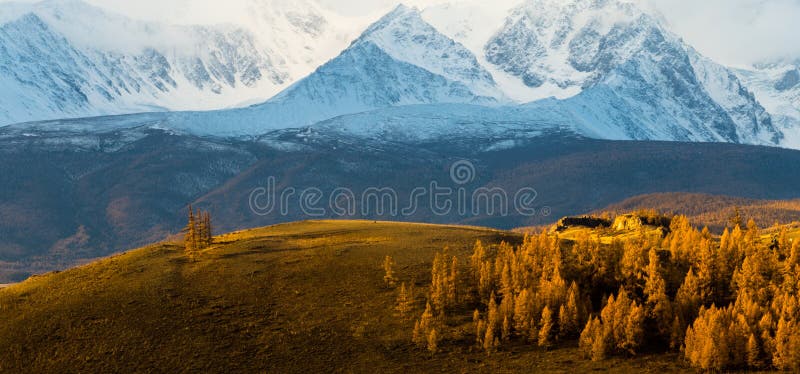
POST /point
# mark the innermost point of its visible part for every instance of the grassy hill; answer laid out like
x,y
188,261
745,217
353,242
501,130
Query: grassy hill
x,y
301,297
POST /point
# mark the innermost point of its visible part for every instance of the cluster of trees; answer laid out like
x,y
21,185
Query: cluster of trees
x,y
198,234
715,211
443,295
724,302
758,328
522,294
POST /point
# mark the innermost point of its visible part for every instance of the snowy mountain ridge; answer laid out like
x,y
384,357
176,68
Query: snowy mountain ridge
x,y
601,68
69,59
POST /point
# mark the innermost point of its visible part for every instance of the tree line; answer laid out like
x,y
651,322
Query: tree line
x,y
728,302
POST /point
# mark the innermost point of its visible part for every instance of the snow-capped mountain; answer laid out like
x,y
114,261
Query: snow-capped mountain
x,y
65,58
777,87
620,72
601,68
406,37
621,75
400,60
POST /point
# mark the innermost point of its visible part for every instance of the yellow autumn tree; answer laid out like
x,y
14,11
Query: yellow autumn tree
x,y
569,315
405,302
718,339
658,303
546,328
388,267
433,341
619,330
423,326
787,346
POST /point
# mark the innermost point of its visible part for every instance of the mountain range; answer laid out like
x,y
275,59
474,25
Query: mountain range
x,y
111,127
604,69
66,58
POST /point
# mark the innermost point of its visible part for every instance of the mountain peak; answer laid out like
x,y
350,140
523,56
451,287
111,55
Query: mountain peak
x,y
402,9
406,36
401,13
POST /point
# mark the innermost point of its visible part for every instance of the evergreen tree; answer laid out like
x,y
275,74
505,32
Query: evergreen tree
x,y
677,334
433,341
594,340
659,306
198,234
452,283
526,293
689,298
570,315
490,342
620,328
791,268
522,312
476,260
423,326
718,339
405,302
209,231
506,334
441,284
753,352
486,281
736,218
418,334
190,240
787,346
480,326
388,267
202,242
493,316
546,328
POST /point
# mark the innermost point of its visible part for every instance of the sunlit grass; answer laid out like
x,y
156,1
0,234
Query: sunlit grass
x,y
302,297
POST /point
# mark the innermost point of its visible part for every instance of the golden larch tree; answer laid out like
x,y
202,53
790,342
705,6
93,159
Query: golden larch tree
x,y
405,302
388,267
546,328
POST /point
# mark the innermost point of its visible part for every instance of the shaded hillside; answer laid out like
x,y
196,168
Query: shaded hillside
x,y
304,297
714,211
68,196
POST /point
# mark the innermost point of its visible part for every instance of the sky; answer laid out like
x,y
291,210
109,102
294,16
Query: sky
x,y
732,32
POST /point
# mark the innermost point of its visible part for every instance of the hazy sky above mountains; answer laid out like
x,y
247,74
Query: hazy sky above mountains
x,y
734,32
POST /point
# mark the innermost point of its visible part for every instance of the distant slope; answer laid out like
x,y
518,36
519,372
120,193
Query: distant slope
x,y
713,211
296,298
70,195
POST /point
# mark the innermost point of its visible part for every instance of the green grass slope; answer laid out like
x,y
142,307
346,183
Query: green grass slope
x,y
303,297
